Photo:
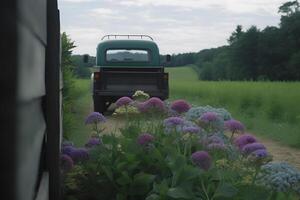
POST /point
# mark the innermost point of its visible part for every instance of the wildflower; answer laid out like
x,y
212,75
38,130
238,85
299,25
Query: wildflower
x,y
222,163
173,121
140,95
280,177
209,117
123,101
95,117
196,112
191,129
180,106
214,142
234,126
67,150
145,139
260,153
92,142
243,140
153,104
202,159
67,143
173,113
214,139
79,155
216,146
66,163
249,148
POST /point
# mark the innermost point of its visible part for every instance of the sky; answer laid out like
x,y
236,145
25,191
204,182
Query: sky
x,y
177,26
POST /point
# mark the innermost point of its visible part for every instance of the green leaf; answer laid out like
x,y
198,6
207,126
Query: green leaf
x,y
141,183
124,179
249,192
225,190
153,197
178,193
108,173
161,188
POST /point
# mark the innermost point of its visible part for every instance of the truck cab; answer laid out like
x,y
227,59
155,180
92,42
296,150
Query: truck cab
x,y
127,65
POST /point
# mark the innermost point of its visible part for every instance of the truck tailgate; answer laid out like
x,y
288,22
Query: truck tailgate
x,y
127,82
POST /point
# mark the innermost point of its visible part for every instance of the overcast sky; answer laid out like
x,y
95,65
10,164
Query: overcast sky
x,y
177,26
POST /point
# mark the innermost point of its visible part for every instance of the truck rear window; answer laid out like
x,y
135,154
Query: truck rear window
x,y
127,55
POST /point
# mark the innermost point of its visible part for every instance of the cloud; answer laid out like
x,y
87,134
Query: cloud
x,y
177,25
76,1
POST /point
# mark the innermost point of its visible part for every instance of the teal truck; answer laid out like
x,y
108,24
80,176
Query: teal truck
x,y
126,65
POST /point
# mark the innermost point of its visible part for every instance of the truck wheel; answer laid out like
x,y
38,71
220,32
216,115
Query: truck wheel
x,y
99,104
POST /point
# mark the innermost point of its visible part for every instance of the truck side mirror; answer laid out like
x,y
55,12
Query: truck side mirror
x,y
168,58
85,58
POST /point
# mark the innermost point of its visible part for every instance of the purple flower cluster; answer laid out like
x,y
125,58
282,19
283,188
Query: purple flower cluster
x,y
234,126
172,122
92,142
66,163
79,155
209,117
76,154
191,129
180,106
260,153
152,104
243,140
95,117
145,139
252,147
202,159
124,101
215,143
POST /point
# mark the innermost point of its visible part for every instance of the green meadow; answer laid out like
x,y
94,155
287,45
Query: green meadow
x,y
268,109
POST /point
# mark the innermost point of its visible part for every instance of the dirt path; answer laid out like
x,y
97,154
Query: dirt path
x,y
279,151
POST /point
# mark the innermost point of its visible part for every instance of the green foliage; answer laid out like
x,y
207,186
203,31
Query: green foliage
x,y
122,168
67,45
81,69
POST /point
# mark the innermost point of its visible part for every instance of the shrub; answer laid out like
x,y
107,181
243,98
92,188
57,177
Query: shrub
x,y
189,162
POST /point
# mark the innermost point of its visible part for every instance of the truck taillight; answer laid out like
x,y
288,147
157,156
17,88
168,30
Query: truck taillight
x,y
96,76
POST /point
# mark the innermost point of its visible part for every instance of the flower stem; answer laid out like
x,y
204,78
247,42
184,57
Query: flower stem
x,y
204,190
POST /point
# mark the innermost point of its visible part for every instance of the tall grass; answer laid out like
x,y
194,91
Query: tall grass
x,y
267,108
81,108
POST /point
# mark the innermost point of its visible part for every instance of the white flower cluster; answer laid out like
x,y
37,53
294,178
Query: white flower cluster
x,y
280,176
140,95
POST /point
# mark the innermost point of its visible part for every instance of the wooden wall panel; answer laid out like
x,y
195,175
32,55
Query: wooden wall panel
x,y
30,133
30,102
33,13
31,62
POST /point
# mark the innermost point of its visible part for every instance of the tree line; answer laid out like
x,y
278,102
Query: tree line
x,y
269,54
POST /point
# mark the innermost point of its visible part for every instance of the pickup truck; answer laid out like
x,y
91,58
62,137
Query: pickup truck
x,y
127,65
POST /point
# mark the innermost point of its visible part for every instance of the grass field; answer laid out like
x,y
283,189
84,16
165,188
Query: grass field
x,y
269,109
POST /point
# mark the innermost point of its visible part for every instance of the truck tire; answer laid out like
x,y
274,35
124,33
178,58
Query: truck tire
x,y
99,104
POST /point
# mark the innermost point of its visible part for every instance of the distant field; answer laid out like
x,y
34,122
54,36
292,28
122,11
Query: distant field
x,y
269,109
